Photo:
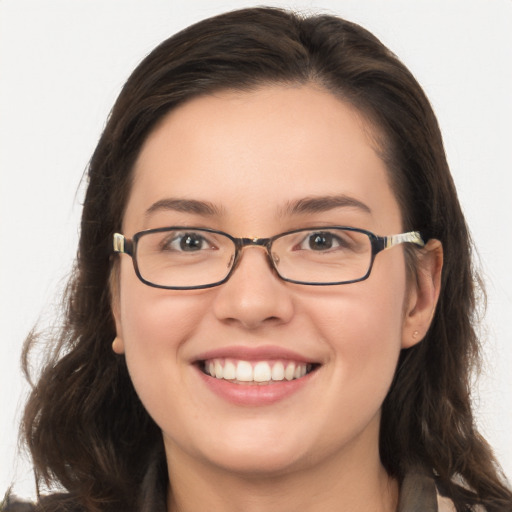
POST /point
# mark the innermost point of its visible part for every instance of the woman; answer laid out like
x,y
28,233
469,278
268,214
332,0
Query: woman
x,y
273,300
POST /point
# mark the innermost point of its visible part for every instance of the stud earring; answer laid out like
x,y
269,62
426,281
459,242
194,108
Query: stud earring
x,y
415,334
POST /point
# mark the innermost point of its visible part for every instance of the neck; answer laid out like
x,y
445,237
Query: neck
x,y
345,481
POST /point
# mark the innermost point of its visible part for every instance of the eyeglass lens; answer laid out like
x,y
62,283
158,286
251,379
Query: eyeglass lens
x,y
195,257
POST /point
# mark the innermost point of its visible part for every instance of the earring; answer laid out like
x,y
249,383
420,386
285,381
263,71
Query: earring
x,y
415,334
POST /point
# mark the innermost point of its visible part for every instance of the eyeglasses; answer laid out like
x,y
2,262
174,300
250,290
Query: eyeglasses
x,y
188,258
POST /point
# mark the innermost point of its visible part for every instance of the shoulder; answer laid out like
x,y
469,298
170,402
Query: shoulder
x,y
58,502
11,504
421,491
445,504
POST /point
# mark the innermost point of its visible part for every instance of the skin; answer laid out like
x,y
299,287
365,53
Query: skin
x,y
250,154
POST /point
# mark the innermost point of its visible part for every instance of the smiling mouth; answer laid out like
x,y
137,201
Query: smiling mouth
x,y
256,372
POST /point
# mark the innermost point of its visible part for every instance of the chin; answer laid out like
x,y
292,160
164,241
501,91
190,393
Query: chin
x,y
262,463
259,452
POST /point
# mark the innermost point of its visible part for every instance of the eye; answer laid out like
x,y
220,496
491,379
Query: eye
x,y
185,242
321,241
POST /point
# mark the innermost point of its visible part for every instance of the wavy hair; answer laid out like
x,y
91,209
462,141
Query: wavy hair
x,y
84,424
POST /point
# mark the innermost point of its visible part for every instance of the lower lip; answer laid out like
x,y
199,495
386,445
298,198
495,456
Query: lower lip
x,y
253,394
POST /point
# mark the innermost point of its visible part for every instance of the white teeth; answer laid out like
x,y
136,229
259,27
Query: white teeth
x,y
261,371
278,371
229,372
244,371
218,370
290,371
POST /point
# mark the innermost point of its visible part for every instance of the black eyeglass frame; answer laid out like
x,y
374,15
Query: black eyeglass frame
x,y
124,245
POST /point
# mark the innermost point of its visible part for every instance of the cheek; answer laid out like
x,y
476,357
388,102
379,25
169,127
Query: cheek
x,y
362,336
155,325
150,318
362,325
151,321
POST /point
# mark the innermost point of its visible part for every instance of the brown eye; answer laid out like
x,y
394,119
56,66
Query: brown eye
x,y
191,242
185,242
321,241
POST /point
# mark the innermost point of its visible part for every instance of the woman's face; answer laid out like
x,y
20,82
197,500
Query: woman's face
x,y
255,164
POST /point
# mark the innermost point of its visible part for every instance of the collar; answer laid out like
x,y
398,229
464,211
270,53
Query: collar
x,y
418,491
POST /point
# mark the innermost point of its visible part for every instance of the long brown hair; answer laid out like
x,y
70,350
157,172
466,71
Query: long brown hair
x,y
84,424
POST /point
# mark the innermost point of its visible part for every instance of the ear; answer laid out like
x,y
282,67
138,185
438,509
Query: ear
x,y
423,294
118,343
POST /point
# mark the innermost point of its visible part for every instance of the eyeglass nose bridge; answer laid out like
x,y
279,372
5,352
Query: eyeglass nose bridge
x,y
263,243
257,241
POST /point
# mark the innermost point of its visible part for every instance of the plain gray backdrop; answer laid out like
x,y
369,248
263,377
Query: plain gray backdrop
x,y
62,63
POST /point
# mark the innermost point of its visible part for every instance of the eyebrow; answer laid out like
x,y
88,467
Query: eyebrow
x,y
186,206
318,204
315,204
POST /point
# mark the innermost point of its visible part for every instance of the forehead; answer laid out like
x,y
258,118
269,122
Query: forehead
x,y
252,152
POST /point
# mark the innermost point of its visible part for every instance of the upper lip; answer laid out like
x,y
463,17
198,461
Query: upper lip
x,y
244,353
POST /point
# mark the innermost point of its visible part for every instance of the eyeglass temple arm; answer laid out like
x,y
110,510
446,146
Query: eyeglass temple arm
x,y
381,243
122,244
413,237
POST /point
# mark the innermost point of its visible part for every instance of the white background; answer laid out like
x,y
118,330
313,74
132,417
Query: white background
x,y
62,64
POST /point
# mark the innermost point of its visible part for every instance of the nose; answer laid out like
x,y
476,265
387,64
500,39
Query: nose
x,y
254,295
